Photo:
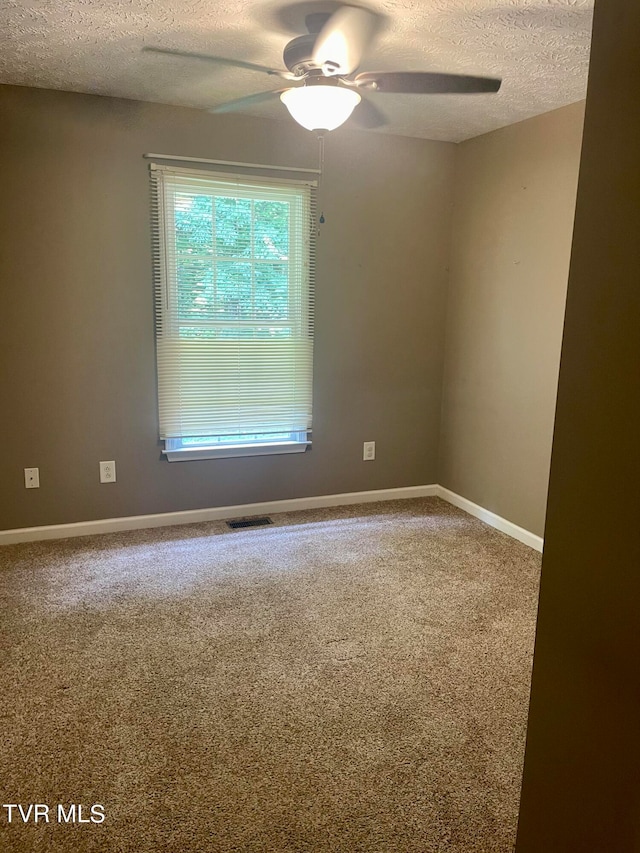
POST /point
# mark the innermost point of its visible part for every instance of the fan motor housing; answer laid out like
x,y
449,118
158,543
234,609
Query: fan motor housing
x,y
298,55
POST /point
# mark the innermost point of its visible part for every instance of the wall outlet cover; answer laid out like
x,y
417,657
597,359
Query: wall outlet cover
x,y
108,472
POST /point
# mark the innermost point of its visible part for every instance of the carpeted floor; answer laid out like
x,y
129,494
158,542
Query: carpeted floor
x,y
353,679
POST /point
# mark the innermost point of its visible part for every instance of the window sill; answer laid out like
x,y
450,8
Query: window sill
x,y
235,450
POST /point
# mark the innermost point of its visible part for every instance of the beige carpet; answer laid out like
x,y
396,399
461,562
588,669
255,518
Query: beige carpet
x,y
351,679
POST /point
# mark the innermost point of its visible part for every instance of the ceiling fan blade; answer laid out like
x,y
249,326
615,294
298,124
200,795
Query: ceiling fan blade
x,y
343,40
425,83
367,116
221,60
249,101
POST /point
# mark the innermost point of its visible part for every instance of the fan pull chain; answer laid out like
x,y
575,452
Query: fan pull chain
x,y
321,171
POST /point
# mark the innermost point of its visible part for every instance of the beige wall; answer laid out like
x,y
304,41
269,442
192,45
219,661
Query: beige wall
x,y
76,344
515,194
76,325
581,788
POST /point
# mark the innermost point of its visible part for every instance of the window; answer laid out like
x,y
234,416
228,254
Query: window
x,y
233,264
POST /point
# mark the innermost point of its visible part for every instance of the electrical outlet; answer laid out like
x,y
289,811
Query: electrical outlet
x,y
108,472
369,451
32,478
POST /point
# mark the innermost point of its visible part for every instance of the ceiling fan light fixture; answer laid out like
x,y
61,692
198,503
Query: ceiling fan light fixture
x,y
320,107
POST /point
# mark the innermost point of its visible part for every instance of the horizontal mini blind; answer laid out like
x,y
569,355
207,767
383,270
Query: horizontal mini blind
x,y
234,273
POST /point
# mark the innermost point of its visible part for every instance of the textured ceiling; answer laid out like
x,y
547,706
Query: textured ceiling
x,y
540,48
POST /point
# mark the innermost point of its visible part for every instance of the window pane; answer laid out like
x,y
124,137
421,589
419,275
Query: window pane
x,y
233,227
194,224
233,276
274,332
200,332
195,288
238,438
272,291
271,225
233,291
236,333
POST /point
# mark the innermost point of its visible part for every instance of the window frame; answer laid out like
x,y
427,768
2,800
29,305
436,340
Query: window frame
x,y
301,252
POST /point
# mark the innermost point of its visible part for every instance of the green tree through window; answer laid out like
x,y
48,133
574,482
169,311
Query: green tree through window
x,y
232,261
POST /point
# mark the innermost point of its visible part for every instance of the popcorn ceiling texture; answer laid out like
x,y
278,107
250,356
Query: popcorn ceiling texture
x,y
539,47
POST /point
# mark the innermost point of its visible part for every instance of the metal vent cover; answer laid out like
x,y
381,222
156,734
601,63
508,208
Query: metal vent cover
x,y
257,521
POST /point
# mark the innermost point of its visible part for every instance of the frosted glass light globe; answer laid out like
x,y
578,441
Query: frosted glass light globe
x,y
320,107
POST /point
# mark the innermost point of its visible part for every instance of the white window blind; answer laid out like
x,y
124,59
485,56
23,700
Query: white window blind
x,y
234,273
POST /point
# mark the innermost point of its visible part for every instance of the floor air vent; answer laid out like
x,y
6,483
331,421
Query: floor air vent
x,y
249,522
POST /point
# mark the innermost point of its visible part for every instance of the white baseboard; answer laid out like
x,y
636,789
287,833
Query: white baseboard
x,y
491,518
164,519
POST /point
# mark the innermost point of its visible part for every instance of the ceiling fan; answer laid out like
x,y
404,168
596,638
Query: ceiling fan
x,y
325,62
